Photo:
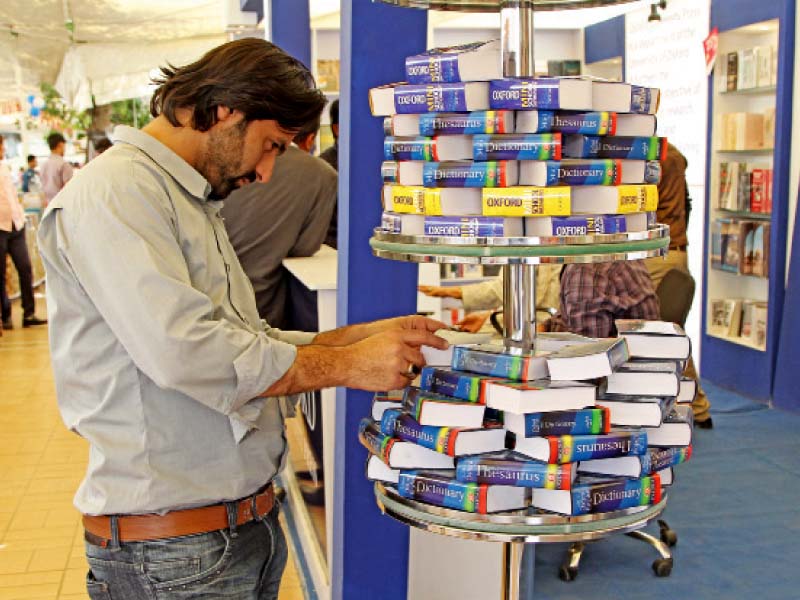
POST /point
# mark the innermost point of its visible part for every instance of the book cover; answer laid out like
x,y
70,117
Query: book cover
x,y
571,448
731,258
446,64
508,471
725,196
584,172
517,146
653,461
466,386
495,362
461,174
374,440
485,226
428,98
590,123
589,224
443,491
526,94
483,121
405,199
632,148
758,190
759,249
602,356
600,495
427,149
661,458
526,201
587,421
444,440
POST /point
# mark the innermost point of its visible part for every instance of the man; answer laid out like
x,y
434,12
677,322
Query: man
x,y
56,171
673,210
12,241
331,155
160,359
30,175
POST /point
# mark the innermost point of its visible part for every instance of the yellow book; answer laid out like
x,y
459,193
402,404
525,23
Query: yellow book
x,y
526,201
610,200
418,200
405,199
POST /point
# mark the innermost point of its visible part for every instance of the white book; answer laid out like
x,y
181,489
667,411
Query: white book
x,y
654,339
522,397
687,390
632,125
632,383
620,97
377,470
587,361
763,65
470,62
636,411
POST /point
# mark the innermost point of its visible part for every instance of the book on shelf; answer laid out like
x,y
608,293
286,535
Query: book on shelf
x,y
687,391
439,148
514,470
517,146
742,131
458,384
377,470
572,448
585,224
748,69
746,235
398,454
495,361
401,98
418,200
624,97
760,314
541,93
732,72
581,421
635,411
428,408
550,341
522,397
760,259
588,172
587,361
432,124
676,430
591,494
633,148
638,382
726,317
328,74
716,243
527,201
730,245
465,226
452,441
653,461
383,401
476,61
444,491
452,174
769,127
654,339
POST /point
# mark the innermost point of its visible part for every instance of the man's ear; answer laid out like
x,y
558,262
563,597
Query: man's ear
x,y
223,113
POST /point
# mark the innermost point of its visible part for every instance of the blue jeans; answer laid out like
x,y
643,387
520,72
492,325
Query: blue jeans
x,y
243,563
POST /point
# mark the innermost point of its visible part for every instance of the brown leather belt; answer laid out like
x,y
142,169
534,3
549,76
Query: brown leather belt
x,y
679,248
177,523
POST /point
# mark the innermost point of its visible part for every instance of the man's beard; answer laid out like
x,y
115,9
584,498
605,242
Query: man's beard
x,y
222,163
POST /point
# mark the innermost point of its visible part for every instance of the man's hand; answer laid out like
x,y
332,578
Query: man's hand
x,y
473,322
355,333
441,292
414,322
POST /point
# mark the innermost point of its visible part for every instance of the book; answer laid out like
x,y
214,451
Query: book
x,y
397,454
517,146
453,174
654,365
635,126
732,79
653,461
494,361
599,495
726,317
588,172
592,123
667,476
760,252
748,69
687,391
428,408
624,97
377,470
444,491
432,124
726,197
582,421
763,59
585,224
654,339
730,243
476,61
622,199
633,148
541,93
458,384
587,361
676,430
437,226
526,201
636,411
522,397
760,315
550,341
382,401
418,200
514,470
746,235
758,189
716,244
572,448
400,98
632,382
452,441
532,121
443,358
439,148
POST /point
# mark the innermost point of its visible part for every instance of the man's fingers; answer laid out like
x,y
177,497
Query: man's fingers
x,y
419,337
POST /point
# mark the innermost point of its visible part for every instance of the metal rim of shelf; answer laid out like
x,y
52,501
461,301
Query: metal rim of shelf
x,y
497,5
538,528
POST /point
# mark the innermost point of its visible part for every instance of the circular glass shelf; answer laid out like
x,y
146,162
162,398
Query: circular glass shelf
x,y
496,5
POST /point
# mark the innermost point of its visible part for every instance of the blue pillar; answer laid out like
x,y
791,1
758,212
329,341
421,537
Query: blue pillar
x,y
291,28
370,555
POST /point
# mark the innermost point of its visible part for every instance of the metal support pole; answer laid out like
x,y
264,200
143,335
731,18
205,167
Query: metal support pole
x,y
516,38
519,306
512,563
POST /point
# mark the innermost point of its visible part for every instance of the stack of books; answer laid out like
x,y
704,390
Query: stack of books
x,y
469,154
556,429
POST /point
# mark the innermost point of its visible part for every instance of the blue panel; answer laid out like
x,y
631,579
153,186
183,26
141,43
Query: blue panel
x,y
370,555
291,28
604,40
732,14
256,6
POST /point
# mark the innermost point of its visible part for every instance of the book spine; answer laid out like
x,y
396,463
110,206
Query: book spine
x,y
465,227
567,448
521,474
432,68
374,440
631,148
589,421
406,199
584,225
661,458
608,497
484,121
637,198
534,146
460,175
397,424
589,172
526,201
520,94
644,100
590,123
486,363
442,97
466,387
469,497
416,149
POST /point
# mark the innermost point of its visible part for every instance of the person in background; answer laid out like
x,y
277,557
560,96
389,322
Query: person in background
x,y
674,205
101,146
56,171
331,155
12,241
30,174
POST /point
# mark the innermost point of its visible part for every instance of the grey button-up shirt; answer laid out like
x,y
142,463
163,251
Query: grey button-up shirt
x,y
157,347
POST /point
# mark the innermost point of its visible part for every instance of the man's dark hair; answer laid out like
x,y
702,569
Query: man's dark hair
x,y
251,75
334,112
54,139
102,145
31,158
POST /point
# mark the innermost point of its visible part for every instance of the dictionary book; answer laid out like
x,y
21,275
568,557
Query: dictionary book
x,y
495,361
521,397
581,225
439,148
428,408
571,448
582,421
624,97
377,470
400,98
598,171
465,226
676,429
476,61
527,201
587,361
621,199
635,411
383,401
517,146
432,124
453,174
632,148
398,454
599,495
458,384
443,491
418,200
632,381
590,123
653,461
654,339
513,469
546,93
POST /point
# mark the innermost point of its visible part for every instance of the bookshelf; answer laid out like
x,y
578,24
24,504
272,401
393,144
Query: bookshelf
x,y
748,146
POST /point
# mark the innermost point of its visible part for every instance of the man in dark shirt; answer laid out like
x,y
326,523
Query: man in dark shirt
x,y
30,174
331,154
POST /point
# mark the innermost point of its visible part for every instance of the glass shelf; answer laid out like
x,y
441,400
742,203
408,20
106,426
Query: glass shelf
x,y
745,214
740,341
756,91
760,151
737,274
496,5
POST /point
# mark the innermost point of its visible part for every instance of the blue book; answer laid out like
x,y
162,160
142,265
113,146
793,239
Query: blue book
x,y
586,421
502,173
571,448
486,359
458,384
517,146
430,98
546,93
654,460
432,124
441,490
472,227
632,148
592,123
599,495
510,470
581,225
476,61
451,147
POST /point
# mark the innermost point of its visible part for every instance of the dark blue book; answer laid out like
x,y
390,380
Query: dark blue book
x,y
517,146
655,459
571,448
446,492
510,470
476,61
586,421
632,148
547,93
436,97
599,495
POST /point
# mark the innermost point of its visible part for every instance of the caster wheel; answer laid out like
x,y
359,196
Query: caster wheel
x,y
567,573
662,567
668,536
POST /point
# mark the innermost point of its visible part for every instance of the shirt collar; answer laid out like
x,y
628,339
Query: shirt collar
x,y
186,176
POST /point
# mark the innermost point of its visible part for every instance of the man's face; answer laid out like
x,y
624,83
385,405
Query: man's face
x,y
33,164
238,150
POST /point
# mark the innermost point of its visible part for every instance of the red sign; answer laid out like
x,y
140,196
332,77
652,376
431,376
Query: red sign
x,y
711,46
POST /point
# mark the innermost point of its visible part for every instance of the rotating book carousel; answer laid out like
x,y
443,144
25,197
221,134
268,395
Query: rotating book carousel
x,y
487,164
